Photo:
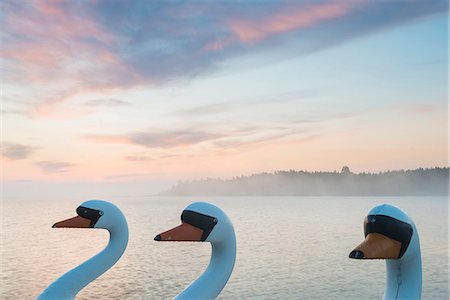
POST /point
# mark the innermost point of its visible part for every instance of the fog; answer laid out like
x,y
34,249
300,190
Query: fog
x,y
31,190
419,182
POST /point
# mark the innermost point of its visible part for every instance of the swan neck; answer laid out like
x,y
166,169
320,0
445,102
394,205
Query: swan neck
x,y
213,280
404,279
69,284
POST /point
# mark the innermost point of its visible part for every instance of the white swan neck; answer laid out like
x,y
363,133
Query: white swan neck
x,y
404,279
213,280
69,284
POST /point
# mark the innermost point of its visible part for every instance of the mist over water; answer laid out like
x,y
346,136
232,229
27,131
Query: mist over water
x,y
288,248
419,182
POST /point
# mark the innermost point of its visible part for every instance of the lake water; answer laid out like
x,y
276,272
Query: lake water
x,y
288,248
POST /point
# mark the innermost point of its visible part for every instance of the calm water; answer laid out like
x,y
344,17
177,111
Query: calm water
x,y
288,248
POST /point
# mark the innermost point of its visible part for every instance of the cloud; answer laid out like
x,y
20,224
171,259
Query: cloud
x,y
134,176
209,109
166,139
17,151
158,138
46,39
59,107
287,19
74,47
138,158
106,102
249,105
54,166
170,139
108,139
143,158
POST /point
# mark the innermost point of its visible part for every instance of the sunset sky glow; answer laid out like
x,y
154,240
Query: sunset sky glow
x,y
131,96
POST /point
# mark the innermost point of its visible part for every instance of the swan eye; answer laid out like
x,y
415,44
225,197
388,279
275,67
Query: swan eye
x,y
391,228
201,221
89,213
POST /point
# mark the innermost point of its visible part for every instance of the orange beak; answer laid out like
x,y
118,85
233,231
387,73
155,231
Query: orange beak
x,y
75,222
377,246
183,233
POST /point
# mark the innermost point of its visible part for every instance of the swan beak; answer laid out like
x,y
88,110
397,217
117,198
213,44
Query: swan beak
x,y
377,246
75,222
183,233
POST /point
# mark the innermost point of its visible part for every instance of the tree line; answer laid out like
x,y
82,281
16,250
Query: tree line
x,y
418,182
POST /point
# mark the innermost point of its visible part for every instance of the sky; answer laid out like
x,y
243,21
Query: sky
x,y
125,98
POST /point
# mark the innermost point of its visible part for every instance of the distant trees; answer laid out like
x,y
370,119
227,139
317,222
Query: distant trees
x,y
419,182
345,170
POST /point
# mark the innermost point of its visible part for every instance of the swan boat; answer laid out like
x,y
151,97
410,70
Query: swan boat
x,y
204,222
91,214
390,234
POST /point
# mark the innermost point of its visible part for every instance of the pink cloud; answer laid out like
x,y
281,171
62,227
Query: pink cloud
x,y
65,53
292,17
54,166
54,36
59,112
62,22
66,48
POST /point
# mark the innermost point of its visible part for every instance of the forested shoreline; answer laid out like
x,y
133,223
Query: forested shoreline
x,y
418,182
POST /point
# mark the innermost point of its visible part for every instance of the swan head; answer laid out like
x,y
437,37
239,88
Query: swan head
x,y
389,234
200,222
95,214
